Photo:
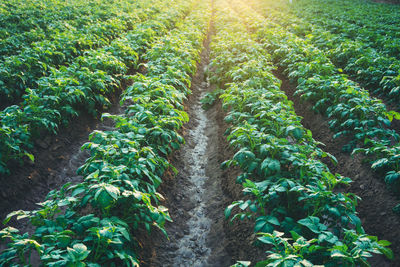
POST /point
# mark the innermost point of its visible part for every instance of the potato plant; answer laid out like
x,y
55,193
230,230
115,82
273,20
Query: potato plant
x,y
23,23
39,59
373,69
94,223
84,84
353,114
300,212
299,217
369,22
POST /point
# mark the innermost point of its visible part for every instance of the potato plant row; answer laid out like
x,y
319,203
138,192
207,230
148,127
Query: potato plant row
x,y
24,70
374,70
22,23
353,114
291,196
371,23
83,85
96,222
25,22
18,17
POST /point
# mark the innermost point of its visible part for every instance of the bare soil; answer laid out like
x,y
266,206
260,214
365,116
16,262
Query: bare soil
x,y
375,208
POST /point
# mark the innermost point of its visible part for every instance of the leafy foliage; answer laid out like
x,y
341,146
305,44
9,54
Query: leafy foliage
x,y
353,114
94,223
85,84
289,193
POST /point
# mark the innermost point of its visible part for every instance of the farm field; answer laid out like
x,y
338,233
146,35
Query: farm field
x,y
199,133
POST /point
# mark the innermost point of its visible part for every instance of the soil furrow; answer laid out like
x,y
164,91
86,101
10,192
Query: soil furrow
x,y
195,197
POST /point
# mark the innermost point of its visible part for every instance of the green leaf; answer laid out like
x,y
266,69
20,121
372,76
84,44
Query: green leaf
x,y
228,210
30,156
392,177
384,243
64,240
125,233
266,240
264,148
104,199
387,252
243,155
380,163
393,114
269,166
262,263
262,225
273,220
80,251
298,133
245,205
295,235
17,213
338,254
242,264
313,224
252,166
112,191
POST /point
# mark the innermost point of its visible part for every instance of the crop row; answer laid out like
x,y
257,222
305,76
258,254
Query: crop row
x,y
370,23
83,85
18,17
25,22
22,71
289,193
353,114
374,70
95,223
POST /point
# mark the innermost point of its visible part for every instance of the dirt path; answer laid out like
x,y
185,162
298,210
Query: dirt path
x,y
195,197
375,208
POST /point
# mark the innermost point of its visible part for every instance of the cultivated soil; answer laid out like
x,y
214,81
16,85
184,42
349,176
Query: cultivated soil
x,y
375,208
198,195
57,159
